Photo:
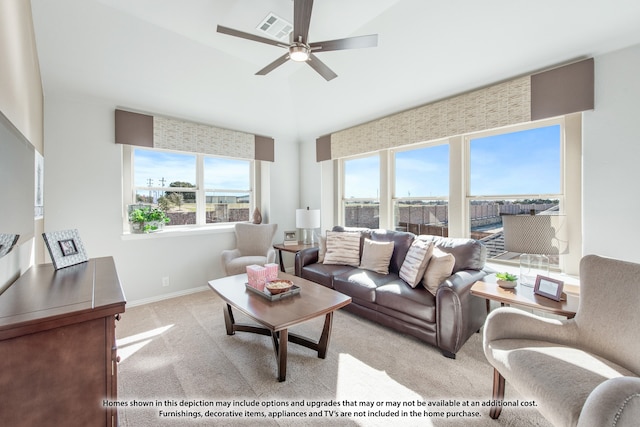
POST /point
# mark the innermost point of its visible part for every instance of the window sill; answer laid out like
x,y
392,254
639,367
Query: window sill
x,y
179,231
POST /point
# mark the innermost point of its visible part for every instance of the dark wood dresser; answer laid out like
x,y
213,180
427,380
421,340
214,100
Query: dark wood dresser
x,y
58,360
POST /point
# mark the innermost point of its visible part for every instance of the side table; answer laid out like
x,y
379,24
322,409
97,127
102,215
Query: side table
x,y
294,249
524,296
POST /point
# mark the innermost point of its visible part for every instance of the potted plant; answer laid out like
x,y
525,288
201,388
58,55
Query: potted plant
x,y
506,280
147,219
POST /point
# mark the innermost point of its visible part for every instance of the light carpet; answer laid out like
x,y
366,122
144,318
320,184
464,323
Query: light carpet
x,y
177,350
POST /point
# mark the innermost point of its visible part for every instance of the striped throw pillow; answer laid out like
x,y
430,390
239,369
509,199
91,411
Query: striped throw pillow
x,y
342,249
416,261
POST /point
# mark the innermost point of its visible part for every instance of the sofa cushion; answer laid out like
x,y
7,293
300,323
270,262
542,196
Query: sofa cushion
x,y
417,302
376,256
361,284
401,243
415,263
470,254
323,273
440,267
342,249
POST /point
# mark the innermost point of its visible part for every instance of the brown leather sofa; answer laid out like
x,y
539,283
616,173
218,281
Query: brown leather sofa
x,y
445,320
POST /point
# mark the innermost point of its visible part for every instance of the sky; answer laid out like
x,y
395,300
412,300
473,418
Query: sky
x,y
219,173
524,162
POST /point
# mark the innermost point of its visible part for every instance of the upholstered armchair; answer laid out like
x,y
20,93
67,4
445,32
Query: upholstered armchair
x,y
579,372
254,245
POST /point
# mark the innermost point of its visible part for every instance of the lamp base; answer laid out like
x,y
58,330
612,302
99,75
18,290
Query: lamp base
x,y
307,236
531,266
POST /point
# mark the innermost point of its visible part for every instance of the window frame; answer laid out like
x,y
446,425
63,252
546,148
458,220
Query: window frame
x,y
458,202
469,198
129,189
393,177
342,186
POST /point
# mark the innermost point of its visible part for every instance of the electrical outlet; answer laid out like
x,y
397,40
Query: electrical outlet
x,y
165,281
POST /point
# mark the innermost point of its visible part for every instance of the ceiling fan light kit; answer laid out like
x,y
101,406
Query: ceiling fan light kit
x,y
300,50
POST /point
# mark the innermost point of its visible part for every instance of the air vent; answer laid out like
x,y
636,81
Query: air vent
x,y
276,27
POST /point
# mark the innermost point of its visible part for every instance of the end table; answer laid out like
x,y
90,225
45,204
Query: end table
x,y
294,249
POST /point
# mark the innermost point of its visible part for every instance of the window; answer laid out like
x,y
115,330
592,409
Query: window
x,y
422,190
515,174
361,192
465,185
227,184
193,189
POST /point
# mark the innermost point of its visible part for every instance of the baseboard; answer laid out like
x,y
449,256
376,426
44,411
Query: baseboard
x,y
166,296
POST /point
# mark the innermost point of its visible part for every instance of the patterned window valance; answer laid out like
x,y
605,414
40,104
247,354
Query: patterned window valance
x,y
160,132
563,90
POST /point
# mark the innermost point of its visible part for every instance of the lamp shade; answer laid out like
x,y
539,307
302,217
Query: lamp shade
x,y
307,218
535,234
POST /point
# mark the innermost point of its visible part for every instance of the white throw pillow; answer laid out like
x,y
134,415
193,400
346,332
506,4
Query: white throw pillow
x,y
376,256
342,248
416,261
439,268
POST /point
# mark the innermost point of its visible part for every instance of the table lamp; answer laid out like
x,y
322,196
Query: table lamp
x,y
307,220
535,237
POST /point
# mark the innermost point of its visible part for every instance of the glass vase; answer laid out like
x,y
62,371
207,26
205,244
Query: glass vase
x,y
532,265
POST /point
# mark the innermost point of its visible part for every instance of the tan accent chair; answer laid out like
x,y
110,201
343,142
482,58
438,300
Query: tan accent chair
x,y
254,245
582,371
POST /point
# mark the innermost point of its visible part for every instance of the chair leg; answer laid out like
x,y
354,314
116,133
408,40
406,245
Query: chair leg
x,y
498,394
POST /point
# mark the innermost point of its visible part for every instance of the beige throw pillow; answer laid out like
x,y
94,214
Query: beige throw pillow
x,y
376,256
439,268
322,248
416,261
342,249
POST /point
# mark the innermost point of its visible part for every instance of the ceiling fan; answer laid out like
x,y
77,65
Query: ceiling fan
x,y
300,50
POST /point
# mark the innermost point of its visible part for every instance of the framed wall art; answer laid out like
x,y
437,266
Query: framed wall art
x,y
65,248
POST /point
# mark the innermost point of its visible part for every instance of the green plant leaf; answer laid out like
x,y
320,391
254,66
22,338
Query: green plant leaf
x,y
506,276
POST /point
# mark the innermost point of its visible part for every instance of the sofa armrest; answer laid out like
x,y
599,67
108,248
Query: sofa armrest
x,y
615,402
459,314
305,257
271,256
229,254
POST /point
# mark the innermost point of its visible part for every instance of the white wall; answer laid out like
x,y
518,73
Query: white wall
x,y
611,149
83,190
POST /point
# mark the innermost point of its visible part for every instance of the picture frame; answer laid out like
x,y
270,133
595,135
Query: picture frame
x,y
548,287
290,237
65,247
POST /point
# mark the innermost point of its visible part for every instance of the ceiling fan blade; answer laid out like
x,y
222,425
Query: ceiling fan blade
x,y
248,36
301,19
321,68
275,64
356,42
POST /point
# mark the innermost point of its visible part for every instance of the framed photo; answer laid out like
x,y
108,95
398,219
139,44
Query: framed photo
x,y
65,248
68,247
548,287
290,236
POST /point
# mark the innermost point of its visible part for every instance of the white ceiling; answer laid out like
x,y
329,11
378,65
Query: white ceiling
x,y
165,56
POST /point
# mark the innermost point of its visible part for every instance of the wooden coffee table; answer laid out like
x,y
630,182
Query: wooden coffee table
x,y
524,296
276,317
